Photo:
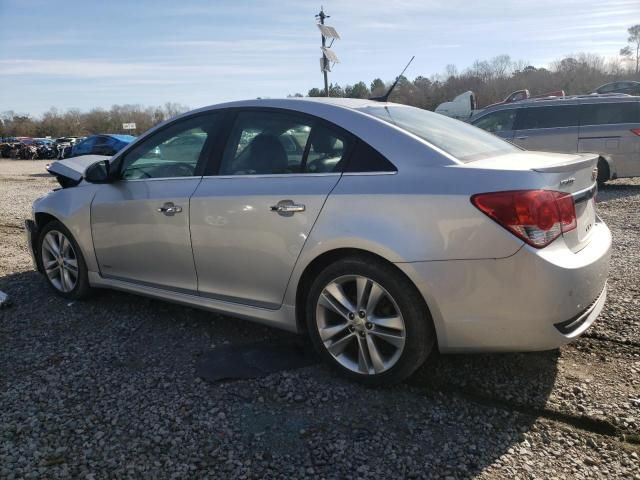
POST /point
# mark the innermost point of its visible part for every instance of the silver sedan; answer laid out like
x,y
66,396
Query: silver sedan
x,y
380,230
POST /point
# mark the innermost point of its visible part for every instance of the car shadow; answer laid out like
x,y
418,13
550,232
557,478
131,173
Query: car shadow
x,y
456,414
522,381
613,191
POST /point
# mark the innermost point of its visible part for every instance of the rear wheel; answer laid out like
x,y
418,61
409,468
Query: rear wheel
x,y
603,172
62,261
368,320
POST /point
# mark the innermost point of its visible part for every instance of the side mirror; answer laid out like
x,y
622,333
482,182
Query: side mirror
x,y
98,172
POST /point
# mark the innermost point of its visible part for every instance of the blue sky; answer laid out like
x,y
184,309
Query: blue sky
x,y
95,53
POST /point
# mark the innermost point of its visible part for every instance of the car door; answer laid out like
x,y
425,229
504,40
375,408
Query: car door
x,y
84,147
611,129
103,146
551,128
140,223
250,221
499,122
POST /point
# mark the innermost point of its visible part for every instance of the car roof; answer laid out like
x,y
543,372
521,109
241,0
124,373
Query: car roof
x,y
350,103
567,100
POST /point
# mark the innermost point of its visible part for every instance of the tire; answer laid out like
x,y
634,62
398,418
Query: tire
x,y
74,286
382,345
603,172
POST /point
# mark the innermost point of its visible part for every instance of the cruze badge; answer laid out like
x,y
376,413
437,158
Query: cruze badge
x,y
567,181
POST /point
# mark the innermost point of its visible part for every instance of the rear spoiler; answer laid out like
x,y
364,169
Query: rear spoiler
x,y
581,161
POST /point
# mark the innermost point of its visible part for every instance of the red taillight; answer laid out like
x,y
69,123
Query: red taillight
x,y
536,216
636,131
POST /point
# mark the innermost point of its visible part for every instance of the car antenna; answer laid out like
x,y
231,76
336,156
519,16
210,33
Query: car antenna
x,y
385,97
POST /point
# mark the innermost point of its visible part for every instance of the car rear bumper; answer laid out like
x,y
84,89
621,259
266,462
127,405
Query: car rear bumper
x,y
532,300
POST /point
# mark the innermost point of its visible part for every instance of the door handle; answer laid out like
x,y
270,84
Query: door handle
x,y
522,138
169,209
287,208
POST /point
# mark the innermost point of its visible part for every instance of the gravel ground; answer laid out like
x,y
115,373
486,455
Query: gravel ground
x,y
107,389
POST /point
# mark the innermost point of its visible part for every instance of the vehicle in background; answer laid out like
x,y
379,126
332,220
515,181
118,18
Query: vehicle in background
x,y
45,148
34,149
102,144
8,147
629,87
608,125
519,95
64,144
461,108
465,105
381,230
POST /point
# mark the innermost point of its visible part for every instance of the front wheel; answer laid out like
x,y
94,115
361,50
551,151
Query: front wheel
x,y
62,261
369,321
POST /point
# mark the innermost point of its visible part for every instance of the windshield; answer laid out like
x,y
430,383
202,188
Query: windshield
x,y
461,140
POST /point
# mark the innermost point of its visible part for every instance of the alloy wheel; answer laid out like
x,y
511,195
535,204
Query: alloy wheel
x,y
60,261
360,324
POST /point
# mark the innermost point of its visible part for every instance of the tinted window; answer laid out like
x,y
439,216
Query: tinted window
x,y
608,88
85,146
547,117
263,143
365,159
497,121
173,151
606,113
461,140
100,140
326,150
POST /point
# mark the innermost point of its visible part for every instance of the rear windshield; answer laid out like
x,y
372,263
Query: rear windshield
x,y
461,140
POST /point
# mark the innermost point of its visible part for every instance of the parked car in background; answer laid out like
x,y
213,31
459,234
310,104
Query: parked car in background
x,y
465,105
380,230
519,95
45,148
629,87
8,146
461,107
63,145
608,125
102,144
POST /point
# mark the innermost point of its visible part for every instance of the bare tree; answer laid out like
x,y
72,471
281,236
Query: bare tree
x,y
634,41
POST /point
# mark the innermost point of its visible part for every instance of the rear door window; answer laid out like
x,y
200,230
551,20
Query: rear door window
x,y
274,143
609,113
547,117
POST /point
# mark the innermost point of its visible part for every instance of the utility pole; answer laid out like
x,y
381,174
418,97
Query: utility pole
x,y
327,54
325,62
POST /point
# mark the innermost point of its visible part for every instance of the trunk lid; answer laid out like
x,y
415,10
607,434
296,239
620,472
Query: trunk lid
x,y
575,174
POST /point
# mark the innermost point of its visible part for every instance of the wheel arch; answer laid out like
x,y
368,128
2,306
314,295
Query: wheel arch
x,y
610,165
41,219
315,266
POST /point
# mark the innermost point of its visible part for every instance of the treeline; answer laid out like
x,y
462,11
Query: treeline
x,y
492,80
74,122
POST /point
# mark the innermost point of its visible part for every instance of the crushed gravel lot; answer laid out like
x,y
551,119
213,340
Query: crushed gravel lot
x,y
106,388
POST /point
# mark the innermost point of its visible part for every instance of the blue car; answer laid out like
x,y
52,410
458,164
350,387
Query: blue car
x,y
102,144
